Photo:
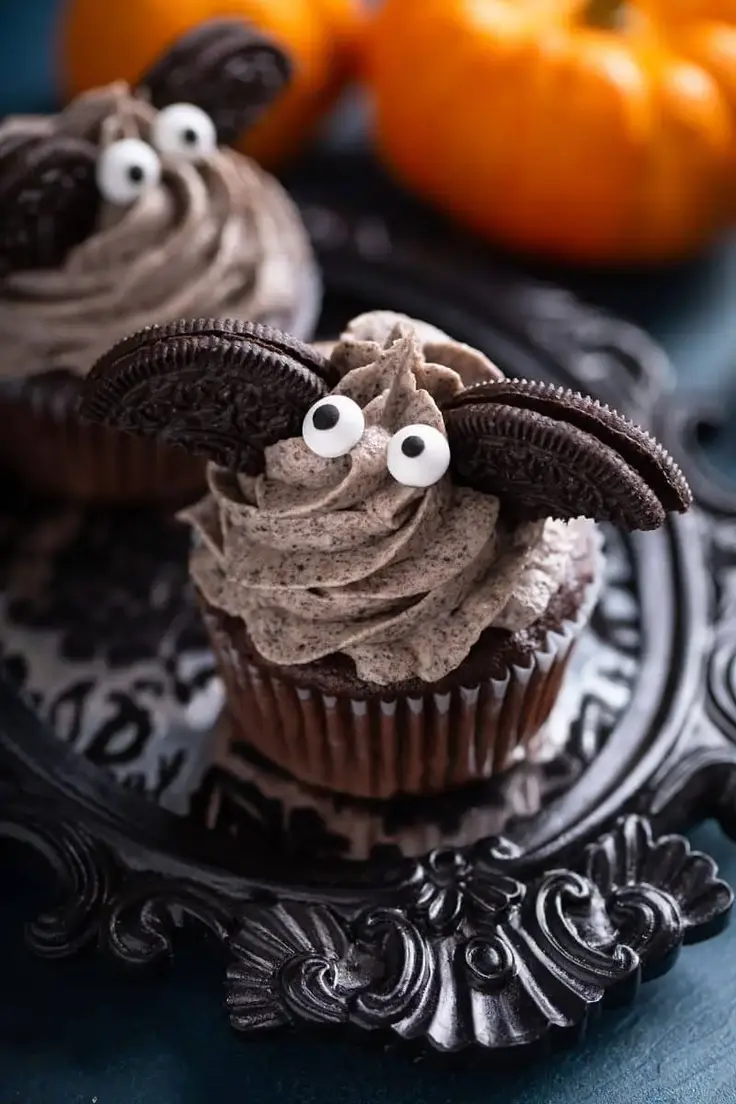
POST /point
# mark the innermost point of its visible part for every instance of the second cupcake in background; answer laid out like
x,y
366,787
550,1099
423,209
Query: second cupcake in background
x,y
129,208
399,548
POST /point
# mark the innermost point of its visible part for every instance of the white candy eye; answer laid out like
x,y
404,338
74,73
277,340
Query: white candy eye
x,y
333,426
418,456
127,169
184,130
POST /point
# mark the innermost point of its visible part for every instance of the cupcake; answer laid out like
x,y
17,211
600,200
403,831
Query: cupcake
x,y
127,208
399,546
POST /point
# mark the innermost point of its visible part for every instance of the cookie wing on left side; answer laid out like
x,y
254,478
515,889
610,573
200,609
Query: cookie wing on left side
x,y
548,452
218,388
48,198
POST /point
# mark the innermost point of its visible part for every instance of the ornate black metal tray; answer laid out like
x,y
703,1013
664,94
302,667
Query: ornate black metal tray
x,y
502,916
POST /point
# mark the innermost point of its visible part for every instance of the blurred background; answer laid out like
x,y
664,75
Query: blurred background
x,y
592,135
596,132
593,139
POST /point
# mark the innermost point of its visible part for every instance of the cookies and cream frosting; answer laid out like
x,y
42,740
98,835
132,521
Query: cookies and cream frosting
x,y
215,237
322,555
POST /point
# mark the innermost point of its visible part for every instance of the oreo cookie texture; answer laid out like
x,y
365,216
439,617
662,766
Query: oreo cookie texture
x,y
551,452
235,71
221,389
48,197
227,391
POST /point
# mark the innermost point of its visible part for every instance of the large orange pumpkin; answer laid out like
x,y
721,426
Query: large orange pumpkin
x,y
107,41
600,131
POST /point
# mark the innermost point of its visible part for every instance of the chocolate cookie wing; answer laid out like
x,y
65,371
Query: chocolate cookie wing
x,y
226,68
220,389
48,198
548,452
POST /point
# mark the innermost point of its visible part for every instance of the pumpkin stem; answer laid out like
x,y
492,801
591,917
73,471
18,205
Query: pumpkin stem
x,y
606,14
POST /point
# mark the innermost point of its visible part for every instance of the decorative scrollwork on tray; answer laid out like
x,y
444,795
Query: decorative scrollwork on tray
x,y
84,870
479,956
462,951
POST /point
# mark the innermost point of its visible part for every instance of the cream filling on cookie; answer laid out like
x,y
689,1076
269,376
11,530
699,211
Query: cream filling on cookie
x,y
320,556
217,238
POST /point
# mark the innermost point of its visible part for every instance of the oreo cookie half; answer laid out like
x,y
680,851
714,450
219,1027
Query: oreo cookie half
x,y
226,68
48,198
548,452
221,389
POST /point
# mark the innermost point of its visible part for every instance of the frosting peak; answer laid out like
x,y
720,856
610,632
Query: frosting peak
x,y
334,555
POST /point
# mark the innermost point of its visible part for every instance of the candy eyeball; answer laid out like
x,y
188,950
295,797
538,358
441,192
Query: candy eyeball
x,y
333,426
184,130
126,170
418,456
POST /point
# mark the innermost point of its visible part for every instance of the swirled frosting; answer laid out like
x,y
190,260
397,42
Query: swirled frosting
x,y
217,238
323,556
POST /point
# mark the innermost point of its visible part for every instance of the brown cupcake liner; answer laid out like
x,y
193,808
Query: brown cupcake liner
x,y
53,452
410,744
363,826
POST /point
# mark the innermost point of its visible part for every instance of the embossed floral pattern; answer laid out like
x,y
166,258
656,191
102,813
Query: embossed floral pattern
x,y
449,884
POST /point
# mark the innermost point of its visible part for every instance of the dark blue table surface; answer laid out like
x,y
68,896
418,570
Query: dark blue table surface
x,y
80,1033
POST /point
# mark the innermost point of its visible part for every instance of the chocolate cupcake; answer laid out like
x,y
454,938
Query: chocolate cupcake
x,y
125,209
399,546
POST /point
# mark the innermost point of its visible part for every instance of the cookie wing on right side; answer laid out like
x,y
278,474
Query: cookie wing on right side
x,y
221,389
227,68
548,452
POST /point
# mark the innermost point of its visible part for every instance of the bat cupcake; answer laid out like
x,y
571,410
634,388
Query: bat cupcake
x,y
126,208
399,547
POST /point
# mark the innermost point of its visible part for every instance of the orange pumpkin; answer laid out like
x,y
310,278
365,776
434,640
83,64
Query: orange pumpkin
x,y
104,42
601,131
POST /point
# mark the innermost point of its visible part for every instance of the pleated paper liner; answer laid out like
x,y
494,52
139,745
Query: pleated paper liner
x,y
248,799
376,747
45,445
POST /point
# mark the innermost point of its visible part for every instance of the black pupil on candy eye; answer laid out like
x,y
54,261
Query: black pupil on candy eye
x,y
326,417
135,174
189,136
412,446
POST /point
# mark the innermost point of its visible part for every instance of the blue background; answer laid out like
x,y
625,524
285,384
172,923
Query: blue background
x,y
29,69
80,1033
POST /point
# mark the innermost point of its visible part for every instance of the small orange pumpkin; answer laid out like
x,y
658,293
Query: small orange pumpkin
x,y
104,42
599,131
